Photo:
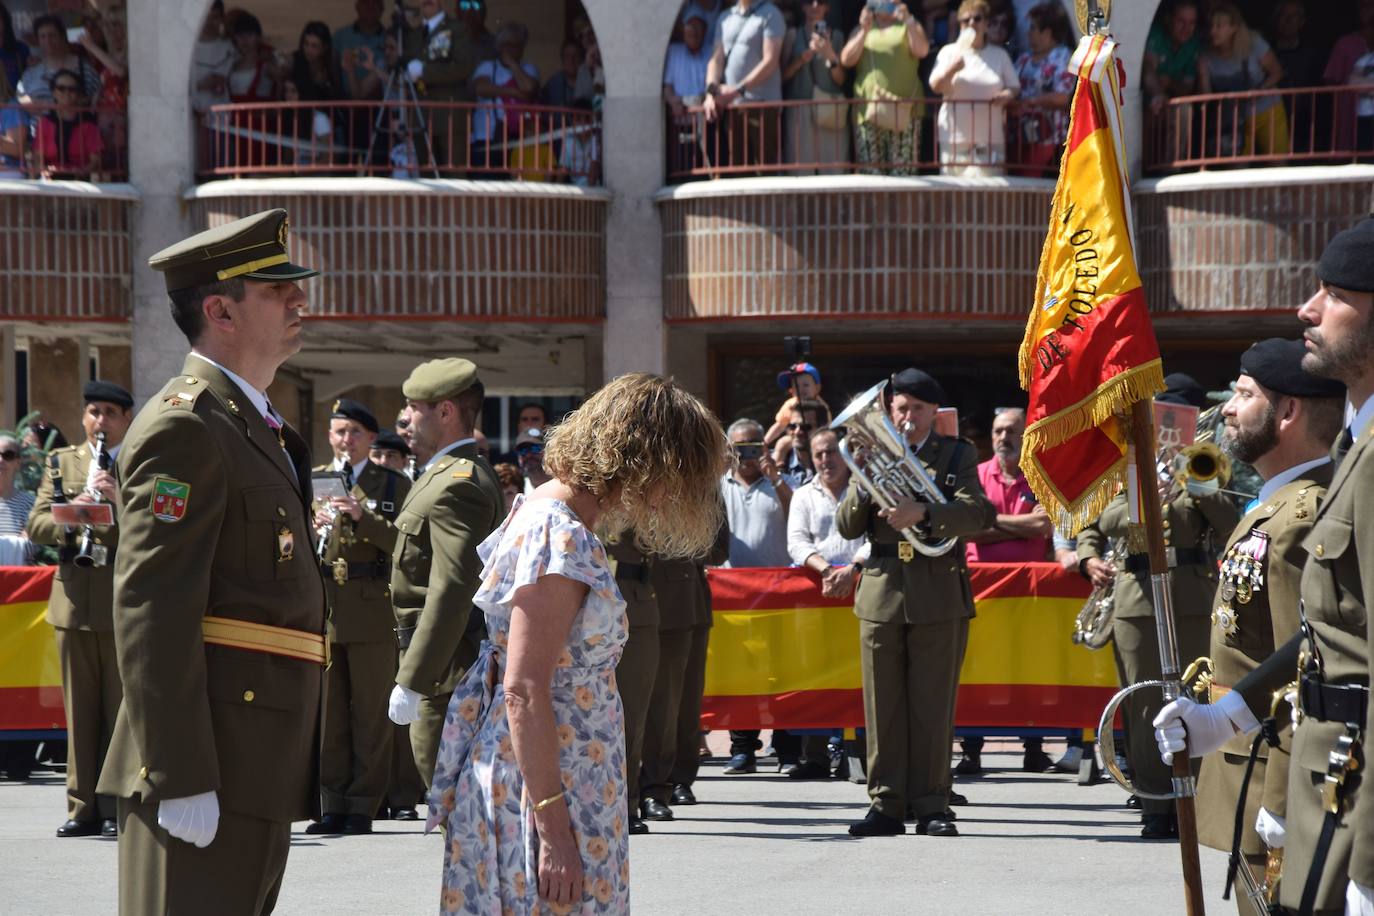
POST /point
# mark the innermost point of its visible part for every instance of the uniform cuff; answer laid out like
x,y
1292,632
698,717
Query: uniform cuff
x,y
1233,704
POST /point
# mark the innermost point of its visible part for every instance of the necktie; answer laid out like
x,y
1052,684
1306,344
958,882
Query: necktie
x,y
274,424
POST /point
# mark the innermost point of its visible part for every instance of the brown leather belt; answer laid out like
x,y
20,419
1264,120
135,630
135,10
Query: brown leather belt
x,y
260,637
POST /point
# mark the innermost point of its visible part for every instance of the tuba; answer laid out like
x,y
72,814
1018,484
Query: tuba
x,y
891,471
1093,626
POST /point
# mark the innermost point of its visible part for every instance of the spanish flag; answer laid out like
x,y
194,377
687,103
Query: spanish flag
x,y
1089,351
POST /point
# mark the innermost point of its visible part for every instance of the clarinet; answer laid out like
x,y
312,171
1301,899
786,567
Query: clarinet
x,y
328,530
92,554
411,470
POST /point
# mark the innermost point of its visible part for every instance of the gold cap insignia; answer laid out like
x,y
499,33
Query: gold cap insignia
x,y
282,232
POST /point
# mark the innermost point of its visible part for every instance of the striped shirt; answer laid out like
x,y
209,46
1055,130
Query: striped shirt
x,y
14,512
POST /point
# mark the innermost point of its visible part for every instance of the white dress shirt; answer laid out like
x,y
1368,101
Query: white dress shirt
x,y
811,528
1272,485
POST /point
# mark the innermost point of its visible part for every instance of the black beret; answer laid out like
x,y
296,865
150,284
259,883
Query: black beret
x,y
344,409
1348,261
386,439
1277,365
108,392
1185,389
1167,397
920,385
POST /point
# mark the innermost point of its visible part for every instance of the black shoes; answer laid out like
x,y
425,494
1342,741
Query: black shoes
x,y
811,769
1158,827
682,795
79,828
651,809
1133,802
637,827
357,824
330,824
1036,762
957,800
404,814
935,825
109,829
971,764
875,823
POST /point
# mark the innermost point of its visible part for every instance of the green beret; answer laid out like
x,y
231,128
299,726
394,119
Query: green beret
x,y
1277,365
440,379
253,248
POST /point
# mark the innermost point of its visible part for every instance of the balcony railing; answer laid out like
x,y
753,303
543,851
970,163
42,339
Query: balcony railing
x,y
1260,128
402,140
78,143
842,136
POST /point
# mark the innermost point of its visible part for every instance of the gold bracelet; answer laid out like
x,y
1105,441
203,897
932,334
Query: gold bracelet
x,y
540,806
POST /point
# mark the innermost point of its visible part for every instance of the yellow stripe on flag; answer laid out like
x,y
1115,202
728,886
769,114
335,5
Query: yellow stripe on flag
x,y
28,651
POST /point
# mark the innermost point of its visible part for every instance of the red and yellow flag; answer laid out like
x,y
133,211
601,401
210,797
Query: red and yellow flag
x,y
1089,351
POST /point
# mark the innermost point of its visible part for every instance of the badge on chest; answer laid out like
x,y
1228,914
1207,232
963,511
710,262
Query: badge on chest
x,y
1242,578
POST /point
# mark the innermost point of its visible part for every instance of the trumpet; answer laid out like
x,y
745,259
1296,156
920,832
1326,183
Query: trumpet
x,y
892,472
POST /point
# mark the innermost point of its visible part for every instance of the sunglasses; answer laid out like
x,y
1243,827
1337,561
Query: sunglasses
x,y
528,449
804,427
9,454
972,20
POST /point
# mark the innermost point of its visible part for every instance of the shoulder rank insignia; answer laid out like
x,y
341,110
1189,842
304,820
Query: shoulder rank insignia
x,y
169,499
462,469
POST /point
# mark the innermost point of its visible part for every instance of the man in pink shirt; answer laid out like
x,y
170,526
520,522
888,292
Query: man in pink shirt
x,y
1023,530
1021,534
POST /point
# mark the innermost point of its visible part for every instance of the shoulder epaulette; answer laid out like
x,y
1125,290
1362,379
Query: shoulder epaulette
x,y
181,393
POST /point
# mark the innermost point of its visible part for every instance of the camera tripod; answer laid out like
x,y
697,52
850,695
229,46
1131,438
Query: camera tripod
x,y
399,95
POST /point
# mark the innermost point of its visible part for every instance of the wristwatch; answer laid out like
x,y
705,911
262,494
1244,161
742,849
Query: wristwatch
x,y
713,88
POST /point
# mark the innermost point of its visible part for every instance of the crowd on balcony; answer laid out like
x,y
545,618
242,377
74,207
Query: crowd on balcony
x,y
1219,84
982,87
63,98
432,94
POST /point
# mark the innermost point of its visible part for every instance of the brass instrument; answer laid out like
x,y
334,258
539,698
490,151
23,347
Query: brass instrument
x,y
90,553
1093,626
891,472
325,532
1197,680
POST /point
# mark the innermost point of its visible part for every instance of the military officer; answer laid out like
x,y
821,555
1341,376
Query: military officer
x,y
356,754
913,615
673,722
1280,421
1328,849
1195,526
443,58
80,607
390,451
634,673
453,506
219,609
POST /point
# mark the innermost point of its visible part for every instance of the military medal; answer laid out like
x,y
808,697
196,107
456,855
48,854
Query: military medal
x,y
286,544
1243,591
1226,621
1228,590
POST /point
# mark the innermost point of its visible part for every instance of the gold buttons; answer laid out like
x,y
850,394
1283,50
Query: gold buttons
x,y
248,696
1319,551
143,773
192,381
281,510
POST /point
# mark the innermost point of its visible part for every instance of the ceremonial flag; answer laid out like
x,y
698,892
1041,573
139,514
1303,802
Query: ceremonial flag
x,y
1089,350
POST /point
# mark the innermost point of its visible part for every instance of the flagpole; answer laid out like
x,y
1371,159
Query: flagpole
x,y
1184,785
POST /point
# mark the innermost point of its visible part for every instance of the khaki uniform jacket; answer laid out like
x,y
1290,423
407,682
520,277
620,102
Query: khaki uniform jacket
x,y
449,59
1336,584
641,602
924,589
435,569
199,717
81,598
1245,633
1189,522
360,609
684,596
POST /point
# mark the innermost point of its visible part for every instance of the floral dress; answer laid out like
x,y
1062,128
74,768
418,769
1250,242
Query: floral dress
x,y
491,854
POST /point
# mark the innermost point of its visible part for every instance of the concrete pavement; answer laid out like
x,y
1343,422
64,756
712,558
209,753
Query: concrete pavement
x,y
756,844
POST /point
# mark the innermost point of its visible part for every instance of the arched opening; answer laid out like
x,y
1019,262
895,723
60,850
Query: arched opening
x,y
1256,83
410,89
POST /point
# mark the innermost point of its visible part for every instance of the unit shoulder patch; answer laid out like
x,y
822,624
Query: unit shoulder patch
x,y
170,498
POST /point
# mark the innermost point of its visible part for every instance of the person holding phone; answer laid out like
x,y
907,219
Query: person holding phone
x,y
811,70
977,80
886,50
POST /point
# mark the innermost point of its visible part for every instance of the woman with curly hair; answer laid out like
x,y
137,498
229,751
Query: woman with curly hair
x,y
530,779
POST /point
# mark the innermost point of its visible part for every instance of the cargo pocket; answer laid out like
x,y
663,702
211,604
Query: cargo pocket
x,y
411,557
276,544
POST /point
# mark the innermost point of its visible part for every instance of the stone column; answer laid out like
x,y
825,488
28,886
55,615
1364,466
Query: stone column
x,y
633,39
161,166
56,374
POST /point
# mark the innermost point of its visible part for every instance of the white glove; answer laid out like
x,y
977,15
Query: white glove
x,y
404,707
1206,727
415,69
1359,900
1270,827
194,818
